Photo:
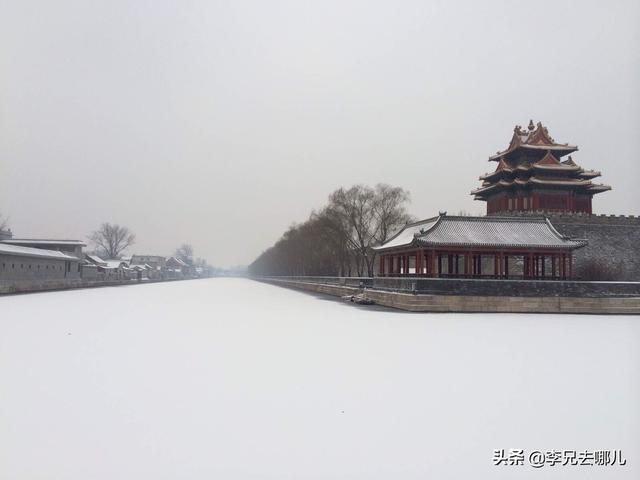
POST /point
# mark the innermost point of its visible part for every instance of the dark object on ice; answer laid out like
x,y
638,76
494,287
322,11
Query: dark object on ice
x,y
360,299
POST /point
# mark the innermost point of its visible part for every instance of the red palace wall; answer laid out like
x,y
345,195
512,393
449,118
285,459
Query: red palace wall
x,y
556,202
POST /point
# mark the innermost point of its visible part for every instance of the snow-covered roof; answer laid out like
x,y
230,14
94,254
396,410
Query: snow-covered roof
x,y
140,259
140,267
115,263
44,241
569,182
499,232
96,259
177,260
536,137
408,232
8,249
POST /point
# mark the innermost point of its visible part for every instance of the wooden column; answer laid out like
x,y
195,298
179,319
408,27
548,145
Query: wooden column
x,y
530,262
570,255
433,263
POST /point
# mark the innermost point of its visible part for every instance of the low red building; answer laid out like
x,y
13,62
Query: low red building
x,y
479,247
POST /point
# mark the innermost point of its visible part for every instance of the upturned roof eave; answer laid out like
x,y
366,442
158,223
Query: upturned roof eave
x,y
566,149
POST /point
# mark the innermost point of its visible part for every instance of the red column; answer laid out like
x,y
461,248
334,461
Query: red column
x,y
532,272
570,265
433,263
418,263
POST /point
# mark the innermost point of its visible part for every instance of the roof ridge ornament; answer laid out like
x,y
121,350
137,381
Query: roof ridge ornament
x,y
531,125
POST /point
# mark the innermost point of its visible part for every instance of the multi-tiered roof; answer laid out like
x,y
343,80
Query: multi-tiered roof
x,y
531,175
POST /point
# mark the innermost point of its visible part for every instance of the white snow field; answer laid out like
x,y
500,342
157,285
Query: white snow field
x,y
234,379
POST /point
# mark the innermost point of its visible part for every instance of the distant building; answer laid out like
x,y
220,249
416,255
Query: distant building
x,y
18,263
96,267
156,264
29,259
177,267
154,261
70,247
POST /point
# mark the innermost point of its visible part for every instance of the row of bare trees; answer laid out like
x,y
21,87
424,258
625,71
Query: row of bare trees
x,y
338,239
111,241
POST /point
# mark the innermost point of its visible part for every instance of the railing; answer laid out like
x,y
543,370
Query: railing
x,y
517,287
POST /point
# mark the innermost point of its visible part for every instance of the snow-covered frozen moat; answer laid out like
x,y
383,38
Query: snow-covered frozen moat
x,y
233,379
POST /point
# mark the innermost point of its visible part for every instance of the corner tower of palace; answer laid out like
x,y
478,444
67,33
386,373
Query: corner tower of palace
x,y
531,175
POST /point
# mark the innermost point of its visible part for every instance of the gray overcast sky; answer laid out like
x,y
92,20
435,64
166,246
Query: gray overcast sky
x,y
221,123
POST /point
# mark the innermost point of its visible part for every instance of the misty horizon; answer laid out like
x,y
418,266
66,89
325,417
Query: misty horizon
x,y
220,125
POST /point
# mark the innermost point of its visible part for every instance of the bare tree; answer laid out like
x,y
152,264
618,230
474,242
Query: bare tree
x,y
4,223
185,253
369,216
390,211
112,240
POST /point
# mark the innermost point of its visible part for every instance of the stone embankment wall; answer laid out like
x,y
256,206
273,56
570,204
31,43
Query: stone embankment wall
x,y
480,287
606,298
32,286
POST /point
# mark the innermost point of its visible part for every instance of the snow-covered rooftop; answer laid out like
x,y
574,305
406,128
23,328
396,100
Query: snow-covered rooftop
x,y
44,241
498,232
8,249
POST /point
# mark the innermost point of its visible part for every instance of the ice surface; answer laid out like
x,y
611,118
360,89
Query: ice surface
x,y
233,379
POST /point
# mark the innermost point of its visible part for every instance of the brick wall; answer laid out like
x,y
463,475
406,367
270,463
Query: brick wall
x,y
16,267
614,241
